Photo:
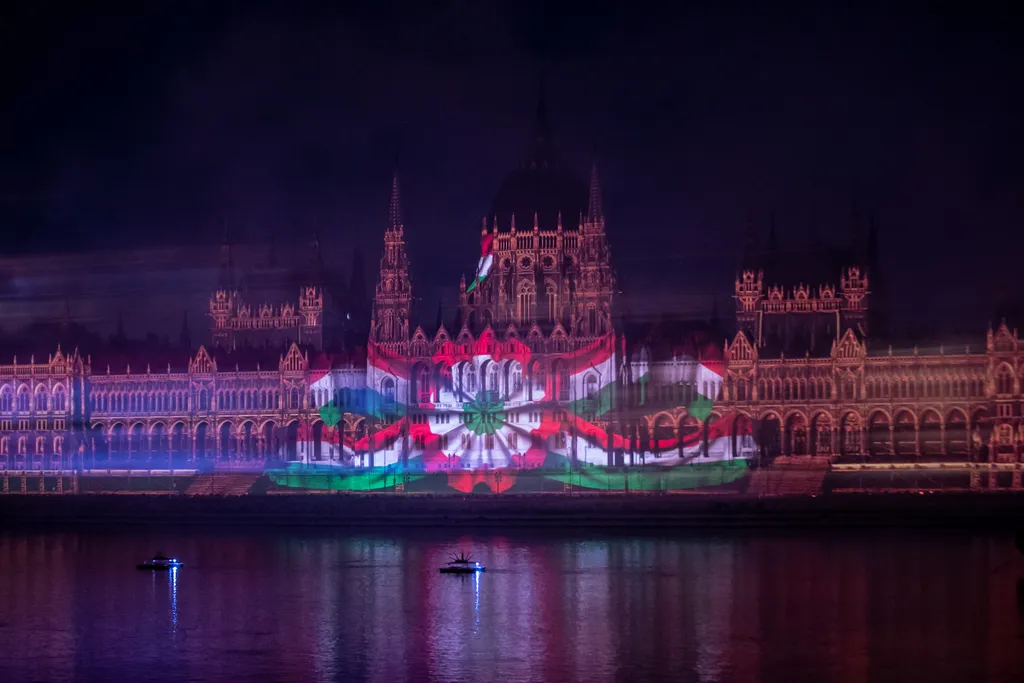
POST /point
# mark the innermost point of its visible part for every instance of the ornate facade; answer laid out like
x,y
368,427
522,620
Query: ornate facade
x,y
800,372
558,279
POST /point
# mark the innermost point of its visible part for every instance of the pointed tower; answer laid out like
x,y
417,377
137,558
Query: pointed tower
x,y
226,280
595,212
591,307
393,299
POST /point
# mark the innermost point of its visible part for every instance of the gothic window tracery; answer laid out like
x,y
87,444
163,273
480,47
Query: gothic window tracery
x,y
525,302
552,298
1004,380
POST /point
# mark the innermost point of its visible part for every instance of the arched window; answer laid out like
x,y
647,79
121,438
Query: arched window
x,y
525,309
552,296
590,386
562,380
446,380
493,380
59,399
423,385
1004,380
387,389
592,319
6,400
296,399
536,392
23,400
469,379
515,379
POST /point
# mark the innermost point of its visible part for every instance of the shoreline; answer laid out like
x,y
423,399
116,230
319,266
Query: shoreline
x,y
997,510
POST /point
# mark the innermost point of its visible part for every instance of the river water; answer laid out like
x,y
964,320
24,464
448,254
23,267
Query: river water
x,y
295,605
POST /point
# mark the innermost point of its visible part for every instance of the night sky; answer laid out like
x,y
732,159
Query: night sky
x,y
160,127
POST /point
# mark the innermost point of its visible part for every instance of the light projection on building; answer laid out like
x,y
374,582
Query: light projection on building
x,y
483,266
491,415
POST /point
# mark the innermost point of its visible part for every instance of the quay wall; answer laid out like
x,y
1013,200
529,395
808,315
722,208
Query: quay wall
x,y
1004,510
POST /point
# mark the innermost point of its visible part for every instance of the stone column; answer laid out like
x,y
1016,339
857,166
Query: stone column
x,y
1016,482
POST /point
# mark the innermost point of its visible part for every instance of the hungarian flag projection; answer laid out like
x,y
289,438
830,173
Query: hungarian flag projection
x,y
693,381
487,406
329,441
483,266
481,412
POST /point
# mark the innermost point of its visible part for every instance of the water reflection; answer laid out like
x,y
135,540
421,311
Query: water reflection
x,y
174,598
327,607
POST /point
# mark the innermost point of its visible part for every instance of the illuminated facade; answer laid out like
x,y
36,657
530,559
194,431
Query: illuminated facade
x,y
536,374
234,322
844,398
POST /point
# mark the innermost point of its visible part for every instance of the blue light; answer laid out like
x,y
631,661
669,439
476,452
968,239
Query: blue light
x,y
174,597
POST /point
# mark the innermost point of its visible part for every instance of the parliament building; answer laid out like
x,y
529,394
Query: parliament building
x,y
802,369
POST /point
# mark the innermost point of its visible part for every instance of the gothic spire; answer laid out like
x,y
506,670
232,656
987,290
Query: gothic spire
x,y
595,212
393,298
395,210
227,265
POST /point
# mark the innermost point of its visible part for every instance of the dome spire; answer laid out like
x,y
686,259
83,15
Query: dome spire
x,y
395,210
595,212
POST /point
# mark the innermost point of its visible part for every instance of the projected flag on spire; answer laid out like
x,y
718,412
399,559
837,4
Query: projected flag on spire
x,y
483,267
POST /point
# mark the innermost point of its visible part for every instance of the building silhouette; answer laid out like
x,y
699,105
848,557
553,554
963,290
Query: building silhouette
x,y
801,370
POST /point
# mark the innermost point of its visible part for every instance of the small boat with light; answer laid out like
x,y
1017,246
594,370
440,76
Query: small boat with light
x,y
462,564
161,563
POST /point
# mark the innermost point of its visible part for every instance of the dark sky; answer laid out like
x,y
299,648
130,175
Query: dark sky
x,y
161,125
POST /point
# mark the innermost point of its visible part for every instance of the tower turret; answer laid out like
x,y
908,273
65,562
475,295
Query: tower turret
x,y
392,300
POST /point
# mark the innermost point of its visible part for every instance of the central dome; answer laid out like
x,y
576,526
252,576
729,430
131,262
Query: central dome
x,y
543,186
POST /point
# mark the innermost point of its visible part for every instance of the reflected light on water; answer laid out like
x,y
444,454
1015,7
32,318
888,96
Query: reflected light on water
x,y
299,606
174,598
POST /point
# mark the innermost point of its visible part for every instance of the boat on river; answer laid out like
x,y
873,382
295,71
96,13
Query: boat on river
x,y
462,564
160,562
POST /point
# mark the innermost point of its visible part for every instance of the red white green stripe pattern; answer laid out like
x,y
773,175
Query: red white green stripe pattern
x,y
483,267
489,406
